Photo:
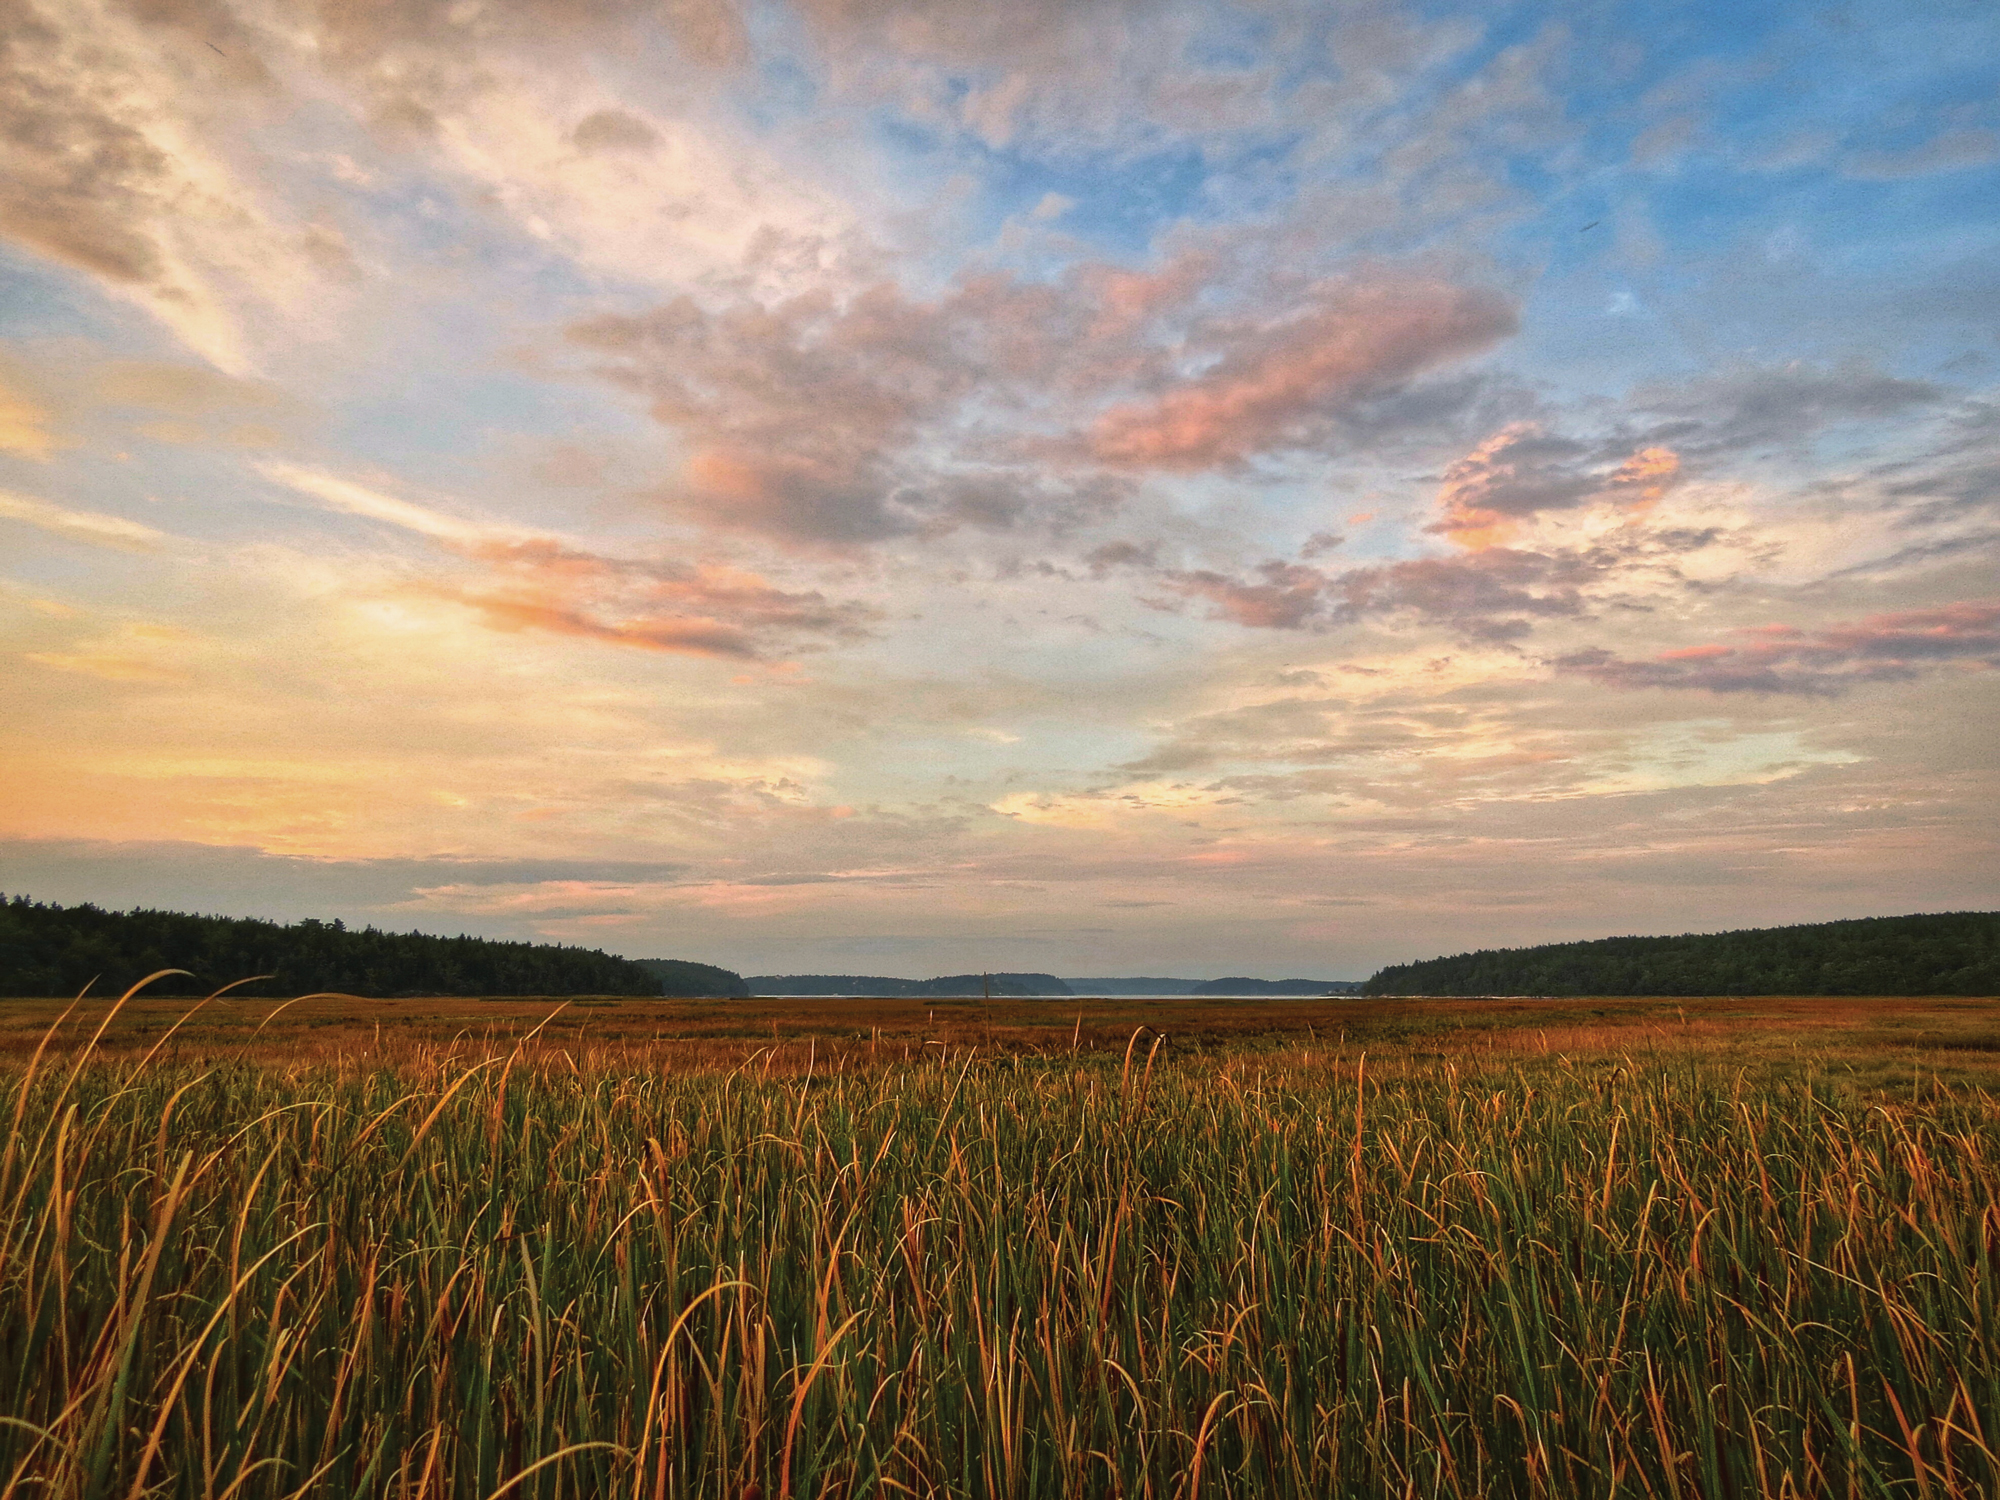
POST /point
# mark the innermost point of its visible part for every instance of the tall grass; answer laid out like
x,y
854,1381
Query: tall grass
x,y
479,1274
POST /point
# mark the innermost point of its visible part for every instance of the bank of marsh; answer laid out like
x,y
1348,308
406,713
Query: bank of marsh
x,y
481,1268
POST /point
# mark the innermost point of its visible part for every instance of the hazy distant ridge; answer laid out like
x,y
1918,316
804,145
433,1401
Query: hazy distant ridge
x,y
1945,953
1237,986
1024,985
1141,985
944,986
1277,987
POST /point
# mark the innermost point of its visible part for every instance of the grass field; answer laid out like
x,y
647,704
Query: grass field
x,y
910,1247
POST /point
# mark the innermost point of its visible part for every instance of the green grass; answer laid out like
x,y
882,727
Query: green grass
x,y
475,1275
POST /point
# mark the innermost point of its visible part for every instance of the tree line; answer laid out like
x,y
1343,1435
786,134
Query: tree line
x,y
47,949
1945,953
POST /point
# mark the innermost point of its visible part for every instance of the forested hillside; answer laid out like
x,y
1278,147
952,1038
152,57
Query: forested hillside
x,y
57,950
678,977
1946,953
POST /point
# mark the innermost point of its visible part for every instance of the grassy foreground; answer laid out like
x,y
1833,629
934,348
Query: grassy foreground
x,y
485,1268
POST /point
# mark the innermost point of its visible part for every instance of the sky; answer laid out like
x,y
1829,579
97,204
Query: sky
x,y
922,486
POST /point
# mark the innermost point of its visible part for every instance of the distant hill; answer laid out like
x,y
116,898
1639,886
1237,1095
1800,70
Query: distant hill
x,y
945,986
1003,984
826,984
1946,953
1028,985
678,977
57,950
1277,987
1141,985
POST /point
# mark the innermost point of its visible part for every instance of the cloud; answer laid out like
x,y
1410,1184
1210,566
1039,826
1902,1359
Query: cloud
x,y
254,882
75,173
1948,151
350,498
1492,596
196,405
521,611
120,133
80,525
24,425
1522,471
136,146
1959,478
1110,556
409,56
1275,386
1783,659
1281,595
791,412
655,198
702,610
1322,542
1275,87
182,390
1744,406
533,582
624,169
614,130
1043,75
823,419
139,653
840,421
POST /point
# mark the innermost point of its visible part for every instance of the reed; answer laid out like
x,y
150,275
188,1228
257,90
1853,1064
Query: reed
x,y
482,1271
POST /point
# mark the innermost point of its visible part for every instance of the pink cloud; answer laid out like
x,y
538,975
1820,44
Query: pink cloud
x,y
1268,389
1816,663
1288,596
839,421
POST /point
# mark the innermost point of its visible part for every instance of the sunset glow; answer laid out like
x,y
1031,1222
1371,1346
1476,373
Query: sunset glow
x,y
1086,488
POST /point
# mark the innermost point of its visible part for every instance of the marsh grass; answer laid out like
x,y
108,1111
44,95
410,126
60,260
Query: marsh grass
x,y
505,1265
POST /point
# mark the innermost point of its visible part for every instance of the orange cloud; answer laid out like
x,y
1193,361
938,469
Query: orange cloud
x,y
1651,472
695,610
693,636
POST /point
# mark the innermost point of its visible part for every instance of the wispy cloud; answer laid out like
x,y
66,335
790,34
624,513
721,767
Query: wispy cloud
x,y
94,527
1947,151
1823,662
25,425
525,581
354,499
